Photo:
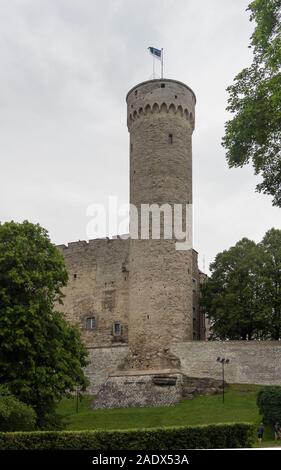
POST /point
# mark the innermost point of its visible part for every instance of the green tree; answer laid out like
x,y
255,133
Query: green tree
x,y
231,296
15,415
254,133
41,355
271,246
269,404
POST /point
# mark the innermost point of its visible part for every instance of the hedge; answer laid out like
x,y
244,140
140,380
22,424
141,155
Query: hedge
x,y
195,437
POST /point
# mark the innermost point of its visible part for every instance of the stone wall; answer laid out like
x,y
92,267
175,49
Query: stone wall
x,y
102,362
250,362
140,390
97,288
253,362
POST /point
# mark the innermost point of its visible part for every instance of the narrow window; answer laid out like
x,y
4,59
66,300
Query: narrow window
x,y
131,147
117,328
176,97
194,284
91,323
75,276
162,85
170,138
194,313
136,92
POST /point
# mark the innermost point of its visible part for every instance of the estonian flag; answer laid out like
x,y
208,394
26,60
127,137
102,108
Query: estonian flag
x,y
155,52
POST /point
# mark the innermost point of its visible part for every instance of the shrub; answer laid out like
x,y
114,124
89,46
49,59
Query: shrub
x,y
269,404
197,437
15,415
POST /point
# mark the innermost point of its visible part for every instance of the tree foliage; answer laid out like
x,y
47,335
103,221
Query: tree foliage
x,y
254,133
242,295
41,355
271,271
15,415
269,404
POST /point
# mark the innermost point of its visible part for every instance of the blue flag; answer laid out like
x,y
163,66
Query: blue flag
x,y
155,52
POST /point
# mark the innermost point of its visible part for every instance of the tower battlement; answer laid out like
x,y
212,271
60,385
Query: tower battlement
x,y
160,96
94,243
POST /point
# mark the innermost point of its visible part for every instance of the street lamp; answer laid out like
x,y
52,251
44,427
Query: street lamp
x,y
223,361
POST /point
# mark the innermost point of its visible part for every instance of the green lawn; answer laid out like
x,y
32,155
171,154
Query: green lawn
x,y
239,406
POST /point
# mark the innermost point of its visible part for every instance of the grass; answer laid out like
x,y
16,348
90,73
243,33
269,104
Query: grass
x,y
239,406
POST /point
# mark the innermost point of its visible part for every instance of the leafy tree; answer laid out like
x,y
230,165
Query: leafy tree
x,y
15,415
254,133
269,404
41,355
271,246
231,296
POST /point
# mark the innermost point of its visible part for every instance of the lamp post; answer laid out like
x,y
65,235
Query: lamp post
x,y
223,361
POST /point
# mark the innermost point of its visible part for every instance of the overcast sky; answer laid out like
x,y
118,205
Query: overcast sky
x,y
65,69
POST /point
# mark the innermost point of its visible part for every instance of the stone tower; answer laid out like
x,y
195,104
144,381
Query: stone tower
x,y
160,122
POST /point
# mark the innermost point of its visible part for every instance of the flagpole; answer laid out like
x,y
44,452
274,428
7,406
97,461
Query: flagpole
x,y
162,62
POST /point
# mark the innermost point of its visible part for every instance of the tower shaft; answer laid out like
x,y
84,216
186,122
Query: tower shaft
x,y
160,122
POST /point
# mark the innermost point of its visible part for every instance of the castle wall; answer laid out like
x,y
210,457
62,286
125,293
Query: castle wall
x,y
97,289
252,362
102,362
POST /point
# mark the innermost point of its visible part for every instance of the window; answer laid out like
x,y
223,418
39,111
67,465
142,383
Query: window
x,y
91,323
136,92
75,276
194,284
176,97
162,85
170,138
117,328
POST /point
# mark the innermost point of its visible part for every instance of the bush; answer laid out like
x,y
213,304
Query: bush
x,y
269,404
15,415
199,437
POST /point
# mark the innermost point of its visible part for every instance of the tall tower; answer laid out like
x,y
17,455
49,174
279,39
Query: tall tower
x,y
160,122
